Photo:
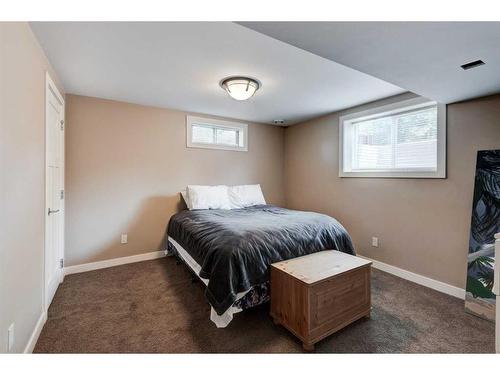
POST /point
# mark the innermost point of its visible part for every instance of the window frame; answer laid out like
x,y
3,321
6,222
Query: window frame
x,y
389,109
221,124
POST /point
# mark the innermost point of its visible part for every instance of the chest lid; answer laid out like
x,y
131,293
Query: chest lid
x,y
321,265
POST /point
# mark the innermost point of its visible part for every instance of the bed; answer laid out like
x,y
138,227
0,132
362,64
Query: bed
x,y
231,250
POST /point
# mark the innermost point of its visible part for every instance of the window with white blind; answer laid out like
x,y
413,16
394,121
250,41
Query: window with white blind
x,y
216,134
405,139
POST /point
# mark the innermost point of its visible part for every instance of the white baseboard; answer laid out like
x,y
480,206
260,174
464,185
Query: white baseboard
x,y
404,274
112,262
418,279
36,333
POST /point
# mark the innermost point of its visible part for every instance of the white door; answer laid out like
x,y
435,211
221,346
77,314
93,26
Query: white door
x,y
54,189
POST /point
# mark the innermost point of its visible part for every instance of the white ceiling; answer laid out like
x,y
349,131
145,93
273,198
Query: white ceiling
x,y
179,65
423,57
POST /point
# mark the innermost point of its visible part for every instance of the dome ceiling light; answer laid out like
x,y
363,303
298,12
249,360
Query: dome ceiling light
x,y
240,88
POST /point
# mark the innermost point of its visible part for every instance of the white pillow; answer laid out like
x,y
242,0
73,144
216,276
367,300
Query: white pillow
x,y
242,196
208,197
184,195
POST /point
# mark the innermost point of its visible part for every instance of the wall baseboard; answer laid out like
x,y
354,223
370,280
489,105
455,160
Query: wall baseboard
x,y
418,279
404,274
30,346
112,262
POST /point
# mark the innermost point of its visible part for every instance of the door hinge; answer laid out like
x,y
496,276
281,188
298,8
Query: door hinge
x,y
62,124
61,263
62,194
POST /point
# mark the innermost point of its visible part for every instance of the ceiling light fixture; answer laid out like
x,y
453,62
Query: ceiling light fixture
x,y
240,88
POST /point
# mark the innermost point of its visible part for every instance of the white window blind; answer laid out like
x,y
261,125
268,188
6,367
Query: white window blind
x,y
217,134
400,142
211,134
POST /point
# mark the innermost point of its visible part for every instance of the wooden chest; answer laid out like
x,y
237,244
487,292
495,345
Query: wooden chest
x,y
316,295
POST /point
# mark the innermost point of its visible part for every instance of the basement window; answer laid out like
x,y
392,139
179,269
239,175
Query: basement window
x,y
401,140
216,134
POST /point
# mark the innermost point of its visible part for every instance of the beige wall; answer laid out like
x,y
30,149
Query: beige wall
x,y
422,224
22,195
126,163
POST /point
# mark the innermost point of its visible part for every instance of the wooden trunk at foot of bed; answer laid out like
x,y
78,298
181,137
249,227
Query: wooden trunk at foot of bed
x,y
313,311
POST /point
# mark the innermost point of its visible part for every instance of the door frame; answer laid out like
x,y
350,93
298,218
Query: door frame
x,y
50,87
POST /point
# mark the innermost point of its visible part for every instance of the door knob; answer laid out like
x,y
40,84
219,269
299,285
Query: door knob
x,y
52,211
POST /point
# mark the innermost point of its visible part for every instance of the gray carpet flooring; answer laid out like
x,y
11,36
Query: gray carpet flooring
x,y
153,307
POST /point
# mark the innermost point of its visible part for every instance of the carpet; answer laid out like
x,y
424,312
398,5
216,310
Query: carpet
x,y
154,307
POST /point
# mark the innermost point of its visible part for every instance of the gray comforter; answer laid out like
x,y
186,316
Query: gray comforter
x,y
235,247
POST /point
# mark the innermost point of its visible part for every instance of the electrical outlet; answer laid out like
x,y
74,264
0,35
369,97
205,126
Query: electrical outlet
x,y
375,241
124,238
10,338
